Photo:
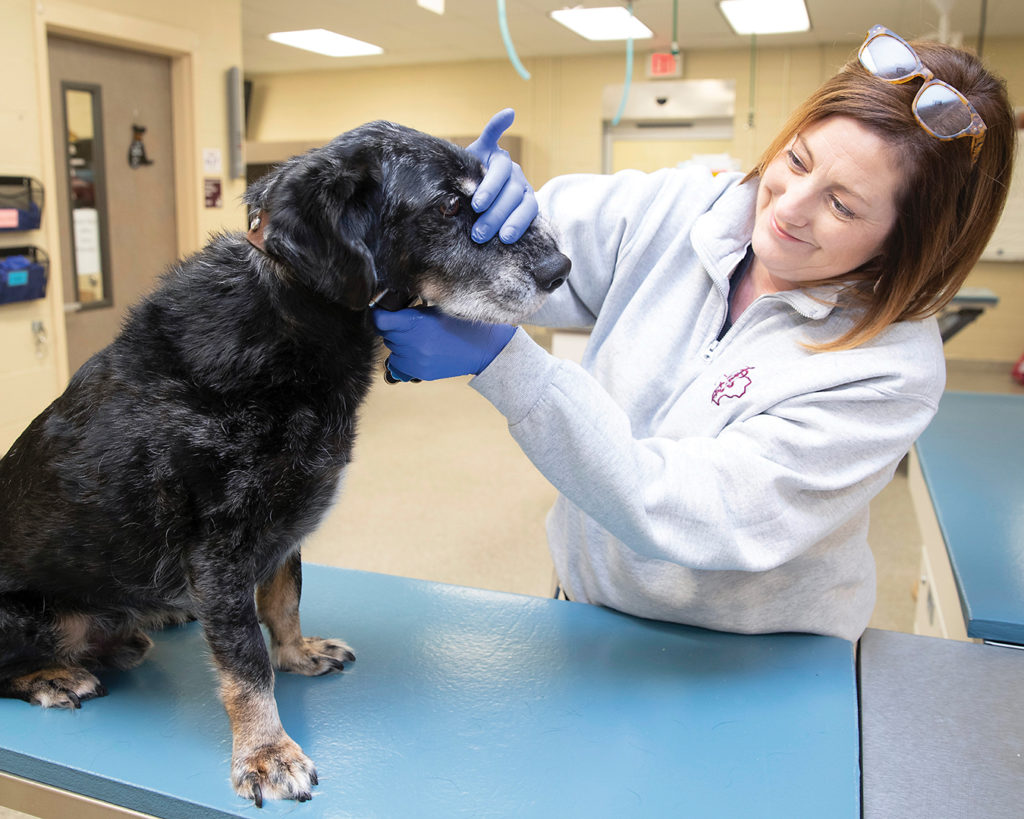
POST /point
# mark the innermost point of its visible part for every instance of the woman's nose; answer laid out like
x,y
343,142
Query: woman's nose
x,y
792,205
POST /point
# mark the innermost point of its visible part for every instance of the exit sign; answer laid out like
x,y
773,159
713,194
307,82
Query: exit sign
x,y
664,64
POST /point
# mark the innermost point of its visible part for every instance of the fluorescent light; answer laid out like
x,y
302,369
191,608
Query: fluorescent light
x,y
615,23
765,16
436,6
326,42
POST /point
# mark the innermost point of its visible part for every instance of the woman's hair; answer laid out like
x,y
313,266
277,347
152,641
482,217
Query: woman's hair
x,y
946,208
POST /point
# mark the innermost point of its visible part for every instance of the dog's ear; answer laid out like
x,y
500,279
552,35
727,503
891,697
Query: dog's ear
x,y
322,218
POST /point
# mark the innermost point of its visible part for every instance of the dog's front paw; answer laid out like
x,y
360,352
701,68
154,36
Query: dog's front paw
x,y
58,687
276,771
313,656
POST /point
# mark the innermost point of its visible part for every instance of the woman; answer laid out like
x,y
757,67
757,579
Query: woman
x,y
763,350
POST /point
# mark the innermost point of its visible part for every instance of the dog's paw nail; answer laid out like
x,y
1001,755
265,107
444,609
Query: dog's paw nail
x,y
314,778
334,663
304,797
257,796
101,690
75,701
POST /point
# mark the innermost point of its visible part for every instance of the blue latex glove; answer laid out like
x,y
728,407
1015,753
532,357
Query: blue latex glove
x,y
427,345
504,199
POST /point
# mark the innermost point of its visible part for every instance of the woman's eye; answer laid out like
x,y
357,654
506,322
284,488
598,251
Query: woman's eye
x,y
794,161
841,209
450,207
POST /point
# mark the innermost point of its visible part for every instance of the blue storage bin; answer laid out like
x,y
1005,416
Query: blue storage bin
x,y
23,274
21,203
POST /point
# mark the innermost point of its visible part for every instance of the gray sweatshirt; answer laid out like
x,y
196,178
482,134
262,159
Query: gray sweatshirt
x,y
722,484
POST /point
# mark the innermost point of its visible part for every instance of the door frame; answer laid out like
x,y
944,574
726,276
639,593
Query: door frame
x,y
180,45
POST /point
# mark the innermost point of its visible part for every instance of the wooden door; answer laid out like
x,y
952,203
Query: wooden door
x,y
118,203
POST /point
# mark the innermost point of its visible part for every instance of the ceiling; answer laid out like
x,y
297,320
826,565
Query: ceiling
x,y
469,28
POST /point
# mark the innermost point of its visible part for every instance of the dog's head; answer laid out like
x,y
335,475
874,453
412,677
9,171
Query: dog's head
x,y
386,208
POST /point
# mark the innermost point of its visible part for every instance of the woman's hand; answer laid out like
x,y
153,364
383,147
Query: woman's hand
x,y
427,345
504,199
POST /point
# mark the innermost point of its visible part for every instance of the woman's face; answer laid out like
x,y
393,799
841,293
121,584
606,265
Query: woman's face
x,y
825,204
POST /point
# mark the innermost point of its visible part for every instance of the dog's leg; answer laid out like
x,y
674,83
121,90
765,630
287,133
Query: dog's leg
x,y
41,652
265,761
278,603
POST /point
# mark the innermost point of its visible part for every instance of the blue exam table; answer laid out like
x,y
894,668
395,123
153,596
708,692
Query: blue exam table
x,y
972,460
474,703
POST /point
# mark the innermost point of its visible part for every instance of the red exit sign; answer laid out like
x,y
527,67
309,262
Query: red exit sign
x,y
664,64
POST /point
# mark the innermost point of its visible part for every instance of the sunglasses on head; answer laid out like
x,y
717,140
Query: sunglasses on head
x,y
939,108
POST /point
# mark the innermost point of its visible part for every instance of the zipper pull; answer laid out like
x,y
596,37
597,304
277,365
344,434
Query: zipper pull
x,y
710,351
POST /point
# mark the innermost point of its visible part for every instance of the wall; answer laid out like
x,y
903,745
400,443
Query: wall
x,y
204,39
26,381
558,115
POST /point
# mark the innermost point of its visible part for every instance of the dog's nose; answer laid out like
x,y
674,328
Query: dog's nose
x,y
551,273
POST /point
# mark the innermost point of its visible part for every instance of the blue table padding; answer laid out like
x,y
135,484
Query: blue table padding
x,y
972,458
473,703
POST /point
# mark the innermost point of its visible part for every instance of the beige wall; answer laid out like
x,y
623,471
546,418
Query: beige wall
x,y
558,115
25,379
204,39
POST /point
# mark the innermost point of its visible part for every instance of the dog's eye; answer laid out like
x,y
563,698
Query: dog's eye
x,y
450,207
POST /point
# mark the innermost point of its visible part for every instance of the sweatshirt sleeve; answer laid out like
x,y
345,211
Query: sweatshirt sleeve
x,y
597,220
749,499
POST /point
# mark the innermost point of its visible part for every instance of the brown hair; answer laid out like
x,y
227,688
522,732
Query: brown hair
x,y
946,209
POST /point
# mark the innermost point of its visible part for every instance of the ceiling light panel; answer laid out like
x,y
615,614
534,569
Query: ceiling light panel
x,y
765,16
614,23
322,41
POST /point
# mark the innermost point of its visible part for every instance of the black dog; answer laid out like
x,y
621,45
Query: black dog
x,y
184,464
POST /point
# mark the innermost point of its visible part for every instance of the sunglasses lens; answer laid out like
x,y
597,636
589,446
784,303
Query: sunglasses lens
x,y
943,111
888,58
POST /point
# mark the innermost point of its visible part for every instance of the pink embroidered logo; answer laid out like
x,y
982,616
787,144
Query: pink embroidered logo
x,y
735,386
